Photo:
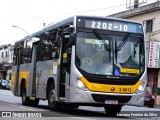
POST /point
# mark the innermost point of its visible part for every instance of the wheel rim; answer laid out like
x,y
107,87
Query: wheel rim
x,y
52,98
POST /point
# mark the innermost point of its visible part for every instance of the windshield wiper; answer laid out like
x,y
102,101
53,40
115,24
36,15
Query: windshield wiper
x,y
106,46
119,47
122,43
116,50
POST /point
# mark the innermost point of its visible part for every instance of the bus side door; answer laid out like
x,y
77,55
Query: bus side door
x,y
65,64
32,71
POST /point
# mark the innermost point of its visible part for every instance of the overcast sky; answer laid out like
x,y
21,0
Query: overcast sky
x,y
31,14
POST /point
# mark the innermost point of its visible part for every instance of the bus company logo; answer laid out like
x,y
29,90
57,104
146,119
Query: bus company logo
x,y
112,77
112,89
6,114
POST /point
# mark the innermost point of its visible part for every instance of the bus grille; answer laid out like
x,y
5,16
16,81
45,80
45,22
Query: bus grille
x,y
102,98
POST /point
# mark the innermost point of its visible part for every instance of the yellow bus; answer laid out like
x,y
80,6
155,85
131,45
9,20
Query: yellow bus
x,y
82,60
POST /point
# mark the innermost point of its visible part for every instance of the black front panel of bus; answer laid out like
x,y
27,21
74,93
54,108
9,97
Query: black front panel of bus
x,y
109,24
113,80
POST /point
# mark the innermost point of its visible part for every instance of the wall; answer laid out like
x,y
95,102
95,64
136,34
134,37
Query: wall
x,y
146,16
11,51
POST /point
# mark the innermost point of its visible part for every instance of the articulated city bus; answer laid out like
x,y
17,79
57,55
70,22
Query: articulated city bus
x,y
82,60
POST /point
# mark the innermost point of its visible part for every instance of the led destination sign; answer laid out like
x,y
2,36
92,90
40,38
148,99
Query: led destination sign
x,y
114,25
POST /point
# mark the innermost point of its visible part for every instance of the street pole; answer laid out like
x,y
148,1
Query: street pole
x,y
20,29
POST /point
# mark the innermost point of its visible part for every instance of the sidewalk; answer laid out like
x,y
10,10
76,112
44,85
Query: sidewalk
x,y
7,96
6,92
4,106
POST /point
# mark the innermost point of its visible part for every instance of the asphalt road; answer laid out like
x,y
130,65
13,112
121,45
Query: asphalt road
x,y
10,103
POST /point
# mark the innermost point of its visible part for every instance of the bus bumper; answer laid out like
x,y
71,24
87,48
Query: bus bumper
x,y
80,96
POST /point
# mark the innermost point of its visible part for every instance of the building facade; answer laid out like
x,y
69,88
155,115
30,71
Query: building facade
x,y
6,58
149,16
10,61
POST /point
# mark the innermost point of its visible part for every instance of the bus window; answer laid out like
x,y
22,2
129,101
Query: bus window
x,y
14,56
18,57
27,52
48,45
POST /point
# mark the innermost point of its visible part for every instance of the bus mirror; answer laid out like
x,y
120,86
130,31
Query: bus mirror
x,y
69,29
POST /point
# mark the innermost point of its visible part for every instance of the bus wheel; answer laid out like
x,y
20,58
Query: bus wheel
x,y
52,103
112,110
25,99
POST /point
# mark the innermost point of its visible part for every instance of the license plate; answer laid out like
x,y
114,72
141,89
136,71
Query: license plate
x,y
111,102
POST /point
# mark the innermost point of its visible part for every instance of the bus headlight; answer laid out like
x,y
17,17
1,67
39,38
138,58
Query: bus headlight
x,y
140,88
81,85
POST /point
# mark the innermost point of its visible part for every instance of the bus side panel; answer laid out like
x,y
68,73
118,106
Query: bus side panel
x,y
24,74
44,71
13,79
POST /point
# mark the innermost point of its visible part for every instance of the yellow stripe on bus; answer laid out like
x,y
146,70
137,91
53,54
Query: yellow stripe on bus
x,y
96,87
12,80
36,83
25,75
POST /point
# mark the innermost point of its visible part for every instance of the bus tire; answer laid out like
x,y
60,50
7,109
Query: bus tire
x,y
113,110
52,103
25,99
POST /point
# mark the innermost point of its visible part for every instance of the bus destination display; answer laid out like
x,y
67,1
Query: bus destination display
x,y
114,26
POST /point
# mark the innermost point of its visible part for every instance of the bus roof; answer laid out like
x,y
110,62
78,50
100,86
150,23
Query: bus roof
x,y
52,26
71,19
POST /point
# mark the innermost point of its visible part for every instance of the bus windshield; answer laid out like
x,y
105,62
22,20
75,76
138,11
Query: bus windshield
x,y
92,56
124,53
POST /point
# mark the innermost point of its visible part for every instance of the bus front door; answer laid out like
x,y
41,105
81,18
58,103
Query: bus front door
x,y
32,71
65,65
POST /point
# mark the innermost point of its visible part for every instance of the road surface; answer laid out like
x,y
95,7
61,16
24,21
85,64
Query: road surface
x,y
10,103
